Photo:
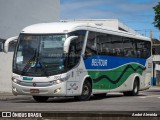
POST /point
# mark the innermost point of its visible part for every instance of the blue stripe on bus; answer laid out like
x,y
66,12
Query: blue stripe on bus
x,y
110,62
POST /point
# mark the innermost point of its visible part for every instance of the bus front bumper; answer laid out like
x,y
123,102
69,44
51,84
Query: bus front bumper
x,y
53,90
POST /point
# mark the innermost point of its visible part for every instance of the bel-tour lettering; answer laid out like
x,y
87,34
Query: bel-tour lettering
x,y
99,62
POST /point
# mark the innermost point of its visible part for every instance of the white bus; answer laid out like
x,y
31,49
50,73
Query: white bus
x,y
80,60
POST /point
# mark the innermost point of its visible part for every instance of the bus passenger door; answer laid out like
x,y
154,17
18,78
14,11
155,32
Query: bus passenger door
x,y
72,84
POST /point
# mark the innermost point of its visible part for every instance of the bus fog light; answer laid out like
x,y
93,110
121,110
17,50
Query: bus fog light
x,y
14,89
57,90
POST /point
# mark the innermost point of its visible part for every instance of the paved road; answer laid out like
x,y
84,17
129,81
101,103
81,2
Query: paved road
x,y
146,101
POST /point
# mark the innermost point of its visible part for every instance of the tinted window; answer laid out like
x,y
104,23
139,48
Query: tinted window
x,y
107,44
102,46
143,49
129,47
117,46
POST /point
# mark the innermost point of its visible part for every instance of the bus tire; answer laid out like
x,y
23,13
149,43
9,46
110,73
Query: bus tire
x,y
40,98
135,90
86,92
101,95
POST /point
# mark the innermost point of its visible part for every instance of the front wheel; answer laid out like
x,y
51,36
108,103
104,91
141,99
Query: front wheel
x,y
40,98
86,92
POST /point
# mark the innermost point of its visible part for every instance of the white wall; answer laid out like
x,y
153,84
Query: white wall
x,y
156,58
157,67
5,71
17,14
14,16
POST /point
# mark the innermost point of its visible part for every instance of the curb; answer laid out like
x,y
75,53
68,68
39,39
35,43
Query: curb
x,y
9,96
14,98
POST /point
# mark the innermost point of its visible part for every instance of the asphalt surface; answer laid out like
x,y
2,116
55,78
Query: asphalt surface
x,y
148,100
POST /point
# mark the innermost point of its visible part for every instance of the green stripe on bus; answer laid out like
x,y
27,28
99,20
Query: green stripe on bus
x,y
114,78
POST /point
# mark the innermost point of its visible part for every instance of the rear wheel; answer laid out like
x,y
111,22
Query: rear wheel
x,y
40,98
86,92
135,90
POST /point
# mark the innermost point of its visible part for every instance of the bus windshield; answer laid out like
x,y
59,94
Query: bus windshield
x,y
39,55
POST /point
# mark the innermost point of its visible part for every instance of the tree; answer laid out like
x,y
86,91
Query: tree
x,y
157,16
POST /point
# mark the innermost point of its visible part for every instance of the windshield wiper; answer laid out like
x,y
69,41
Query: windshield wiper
x,y
27,65
37,59
43,67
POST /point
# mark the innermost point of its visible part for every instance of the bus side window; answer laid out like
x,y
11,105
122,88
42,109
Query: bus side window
x,y
129,47
117,45
147,49
140,49
104,44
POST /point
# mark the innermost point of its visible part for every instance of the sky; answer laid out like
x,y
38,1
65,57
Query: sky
x,y
137,14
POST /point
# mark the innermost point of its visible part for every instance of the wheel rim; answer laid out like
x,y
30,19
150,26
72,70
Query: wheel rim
x,y
136,89
85,90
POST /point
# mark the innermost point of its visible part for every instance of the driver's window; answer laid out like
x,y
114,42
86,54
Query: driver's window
x,y
72,54
75,49
91,47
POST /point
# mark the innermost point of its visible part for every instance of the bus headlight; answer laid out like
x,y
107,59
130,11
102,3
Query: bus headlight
x,y
65,78
59,80
15,80
56,82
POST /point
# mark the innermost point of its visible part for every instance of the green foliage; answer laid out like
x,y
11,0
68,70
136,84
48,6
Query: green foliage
x,y
157,16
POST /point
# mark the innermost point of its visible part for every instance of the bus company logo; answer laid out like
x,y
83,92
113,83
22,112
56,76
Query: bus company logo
x,y
6,114
34,84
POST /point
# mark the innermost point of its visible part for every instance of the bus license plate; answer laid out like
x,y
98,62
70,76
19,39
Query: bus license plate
x,y
34,90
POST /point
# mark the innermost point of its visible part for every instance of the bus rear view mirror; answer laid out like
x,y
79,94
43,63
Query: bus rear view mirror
x,y
67,43
6,44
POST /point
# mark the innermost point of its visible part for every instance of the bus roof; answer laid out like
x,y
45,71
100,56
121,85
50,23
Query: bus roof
x,y
65,27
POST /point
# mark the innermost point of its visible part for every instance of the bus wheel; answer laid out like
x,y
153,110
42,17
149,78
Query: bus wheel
x,y
40,98
86,92
135,90
102,95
